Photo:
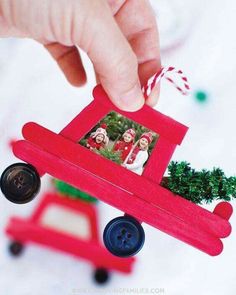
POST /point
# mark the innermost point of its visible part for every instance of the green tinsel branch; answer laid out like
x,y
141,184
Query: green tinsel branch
x,y
199,186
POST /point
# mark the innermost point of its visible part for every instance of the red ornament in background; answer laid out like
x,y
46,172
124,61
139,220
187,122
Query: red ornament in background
x,y
77,234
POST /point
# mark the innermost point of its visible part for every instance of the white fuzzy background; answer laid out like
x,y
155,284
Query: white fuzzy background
x,y
33,89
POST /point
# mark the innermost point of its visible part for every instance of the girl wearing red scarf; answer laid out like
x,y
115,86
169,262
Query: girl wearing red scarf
x,y
139,155
126,144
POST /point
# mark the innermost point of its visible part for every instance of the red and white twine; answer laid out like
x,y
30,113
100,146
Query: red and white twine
x,y
177,76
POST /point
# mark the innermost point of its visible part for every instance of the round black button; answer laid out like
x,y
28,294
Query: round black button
x,y
20,183
124,236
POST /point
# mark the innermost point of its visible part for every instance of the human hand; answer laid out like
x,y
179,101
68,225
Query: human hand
x,y
119,36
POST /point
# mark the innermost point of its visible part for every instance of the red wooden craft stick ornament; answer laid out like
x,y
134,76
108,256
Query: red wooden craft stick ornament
x,y
83,243
140,197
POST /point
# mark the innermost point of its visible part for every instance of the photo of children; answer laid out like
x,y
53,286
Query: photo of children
x,y
121,140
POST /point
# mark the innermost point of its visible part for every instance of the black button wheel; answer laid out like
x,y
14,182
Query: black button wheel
x,y
101,275
20,183
16,248
124,236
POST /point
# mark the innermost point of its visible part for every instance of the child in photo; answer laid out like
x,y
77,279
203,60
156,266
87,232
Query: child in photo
x,y
125,145
98,139
139,155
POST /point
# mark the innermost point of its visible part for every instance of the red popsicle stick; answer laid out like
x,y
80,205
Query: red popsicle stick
x,y
135,184
115,196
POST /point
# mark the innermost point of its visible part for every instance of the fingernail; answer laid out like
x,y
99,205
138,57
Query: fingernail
x,y
132,100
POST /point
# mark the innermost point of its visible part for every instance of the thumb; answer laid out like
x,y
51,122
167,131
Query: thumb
x,y
114,61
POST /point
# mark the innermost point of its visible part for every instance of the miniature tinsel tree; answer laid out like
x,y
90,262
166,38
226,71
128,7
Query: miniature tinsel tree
x,y
199,186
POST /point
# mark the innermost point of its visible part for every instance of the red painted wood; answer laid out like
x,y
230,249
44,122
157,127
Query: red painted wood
x,y
78,206
115,196
97,109
123,178
161,124
224,210
85,121
159,160
26,231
